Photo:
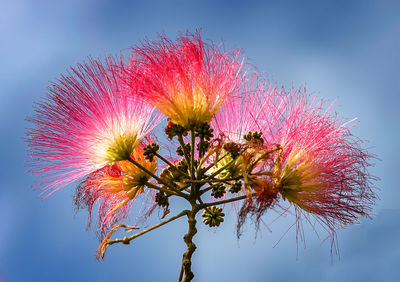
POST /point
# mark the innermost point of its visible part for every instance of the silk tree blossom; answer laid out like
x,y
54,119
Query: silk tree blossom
x,y
187,80
311,159
321,168
88,120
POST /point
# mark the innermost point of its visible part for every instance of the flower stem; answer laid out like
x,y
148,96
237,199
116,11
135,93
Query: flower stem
x,y
213,180
177,192
182,143
126,240
203,171
186,273
225,201
171,165
222,168
167,191
192,147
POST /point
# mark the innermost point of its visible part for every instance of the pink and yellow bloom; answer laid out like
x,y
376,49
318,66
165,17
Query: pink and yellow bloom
x,y
311,158
188,80
115,187
321,168
87,121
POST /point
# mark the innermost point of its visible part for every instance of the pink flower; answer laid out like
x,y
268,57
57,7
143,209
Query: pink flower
x,y
317,165
188,80
85,124
321,168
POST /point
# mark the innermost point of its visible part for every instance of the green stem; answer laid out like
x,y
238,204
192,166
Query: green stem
x,y
192,148
182,143
214,180
225,201
167,191
213,164
222,168
179,193
201,203
171,165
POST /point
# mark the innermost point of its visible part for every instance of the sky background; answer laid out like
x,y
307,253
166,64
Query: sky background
x,y
345,51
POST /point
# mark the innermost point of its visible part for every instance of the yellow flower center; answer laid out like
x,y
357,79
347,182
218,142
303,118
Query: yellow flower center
x,y
122,148
188,107
299,180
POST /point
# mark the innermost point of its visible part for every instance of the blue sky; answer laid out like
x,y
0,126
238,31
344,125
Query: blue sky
x,y
345,51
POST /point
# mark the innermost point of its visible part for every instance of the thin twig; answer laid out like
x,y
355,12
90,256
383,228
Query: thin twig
x,y
126,240
208,188
182,143
171,165
167,191
193,139
225,201
202,203
179,193
213,180
213,164
222,168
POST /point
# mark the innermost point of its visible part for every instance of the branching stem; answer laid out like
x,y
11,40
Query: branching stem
x,y
213,180
171,165
191,179
167,191
179,193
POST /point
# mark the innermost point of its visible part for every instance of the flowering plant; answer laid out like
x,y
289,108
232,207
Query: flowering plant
x,y
231,137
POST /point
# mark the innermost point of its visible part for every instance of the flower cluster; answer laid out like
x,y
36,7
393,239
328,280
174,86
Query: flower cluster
x,y
236,137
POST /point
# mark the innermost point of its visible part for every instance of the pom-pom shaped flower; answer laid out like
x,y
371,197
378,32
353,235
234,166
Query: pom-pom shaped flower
x,y
188,80
88,120
313,162
321,168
